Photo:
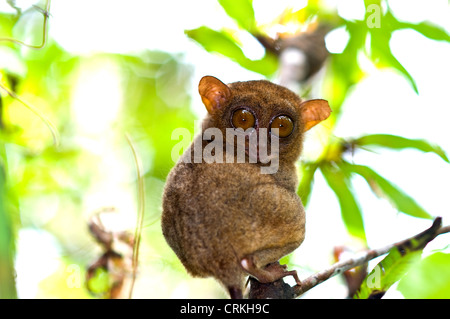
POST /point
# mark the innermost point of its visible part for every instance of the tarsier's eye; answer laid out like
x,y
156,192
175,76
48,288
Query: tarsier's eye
x,y
243,119
284,125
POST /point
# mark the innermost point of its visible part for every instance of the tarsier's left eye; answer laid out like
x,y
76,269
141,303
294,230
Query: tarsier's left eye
x,y
243,119
284,125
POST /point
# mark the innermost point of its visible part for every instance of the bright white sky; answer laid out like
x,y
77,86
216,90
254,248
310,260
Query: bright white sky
x,y
382,103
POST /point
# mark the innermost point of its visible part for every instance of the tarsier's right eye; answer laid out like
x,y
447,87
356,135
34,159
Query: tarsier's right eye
x,y
243,119
284,125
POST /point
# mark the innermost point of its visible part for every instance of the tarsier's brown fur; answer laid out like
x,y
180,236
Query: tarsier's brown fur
x,y
228,220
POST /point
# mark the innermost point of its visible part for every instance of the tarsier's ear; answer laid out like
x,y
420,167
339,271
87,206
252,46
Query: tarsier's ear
x,y
214,93
313,112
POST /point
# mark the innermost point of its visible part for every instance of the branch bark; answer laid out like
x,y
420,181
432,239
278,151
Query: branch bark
x,y
300,55
280,289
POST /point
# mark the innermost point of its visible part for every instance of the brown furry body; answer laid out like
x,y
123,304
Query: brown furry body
x,y
215,215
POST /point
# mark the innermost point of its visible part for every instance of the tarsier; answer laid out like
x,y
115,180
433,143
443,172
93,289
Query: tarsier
x,y
229,220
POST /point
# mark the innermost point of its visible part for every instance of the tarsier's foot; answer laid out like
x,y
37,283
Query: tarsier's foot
x,y
281,271
269,273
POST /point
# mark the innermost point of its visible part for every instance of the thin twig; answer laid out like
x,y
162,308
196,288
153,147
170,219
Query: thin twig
x,y
47,122
443,230
140,220
364,257
46,13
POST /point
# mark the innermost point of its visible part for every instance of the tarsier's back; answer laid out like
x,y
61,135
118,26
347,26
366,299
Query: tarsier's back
x,y
223,215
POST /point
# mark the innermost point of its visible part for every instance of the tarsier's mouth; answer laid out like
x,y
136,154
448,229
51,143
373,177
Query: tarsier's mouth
x,y
259,150
260,155
247,152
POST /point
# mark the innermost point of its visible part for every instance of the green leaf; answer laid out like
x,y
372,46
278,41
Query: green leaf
x,y
387,272
380,50
100,283
430,279
223,43
215,41
397,263
398,143
242,12
384,188
307,171
7,273
339,182
344,72
7,21
427,29
382,55
369,2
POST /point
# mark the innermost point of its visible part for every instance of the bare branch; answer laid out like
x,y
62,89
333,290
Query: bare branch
x,y
140,219
423,238
416,242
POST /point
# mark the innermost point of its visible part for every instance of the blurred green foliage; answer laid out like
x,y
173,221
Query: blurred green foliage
x,y
432,275
51,185
7,244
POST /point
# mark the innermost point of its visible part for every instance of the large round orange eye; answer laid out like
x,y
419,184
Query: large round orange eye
x,y
243,119
284,125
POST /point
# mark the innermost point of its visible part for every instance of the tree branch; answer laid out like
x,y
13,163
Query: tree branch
x,y
301,55
278,289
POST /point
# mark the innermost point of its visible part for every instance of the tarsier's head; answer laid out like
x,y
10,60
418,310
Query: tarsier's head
x,y
262,109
